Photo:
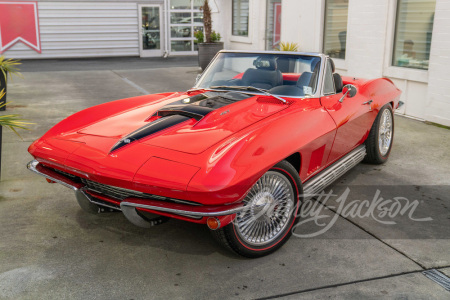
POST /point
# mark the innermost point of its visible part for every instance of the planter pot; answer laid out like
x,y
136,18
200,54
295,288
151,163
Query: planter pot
x,y
3,86
206,52
1,138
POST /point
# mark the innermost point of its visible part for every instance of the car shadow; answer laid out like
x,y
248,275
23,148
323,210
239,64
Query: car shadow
x,y
174,236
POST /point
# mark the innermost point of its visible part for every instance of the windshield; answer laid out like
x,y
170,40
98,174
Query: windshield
x,y
278,74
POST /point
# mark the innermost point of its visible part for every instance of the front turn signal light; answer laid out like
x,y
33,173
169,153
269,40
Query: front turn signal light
x,y
213,223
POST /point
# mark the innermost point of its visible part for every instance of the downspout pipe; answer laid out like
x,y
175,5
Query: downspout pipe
x,y
166,29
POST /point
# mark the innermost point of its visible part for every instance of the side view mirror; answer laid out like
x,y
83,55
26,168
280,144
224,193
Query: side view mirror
x,y
348,90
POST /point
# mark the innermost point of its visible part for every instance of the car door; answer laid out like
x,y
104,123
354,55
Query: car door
x,y
353,116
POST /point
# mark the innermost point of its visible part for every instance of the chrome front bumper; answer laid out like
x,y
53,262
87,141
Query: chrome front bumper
x,y
130,204
37,168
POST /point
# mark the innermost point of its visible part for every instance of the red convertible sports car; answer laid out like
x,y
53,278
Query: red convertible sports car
x,y
238,152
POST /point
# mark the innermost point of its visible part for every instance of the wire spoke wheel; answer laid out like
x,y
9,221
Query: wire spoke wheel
x,y
385,132
264,225
269,206
381,136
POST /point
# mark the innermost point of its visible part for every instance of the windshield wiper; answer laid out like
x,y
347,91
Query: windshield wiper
x,y
247,88
196,89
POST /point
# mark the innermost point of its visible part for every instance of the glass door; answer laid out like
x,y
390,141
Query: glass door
x,y
185,19
151,37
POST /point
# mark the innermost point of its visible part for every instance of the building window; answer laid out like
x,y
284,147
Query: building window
x,y
335,31
240,17
185,19
413,30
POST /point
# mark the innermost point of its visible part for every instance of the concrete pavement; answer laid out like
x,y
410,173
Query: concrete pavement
x,y
51,249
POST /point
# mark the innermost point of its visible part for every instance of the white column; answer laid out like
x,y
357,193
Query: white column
x,y
302,23
366,37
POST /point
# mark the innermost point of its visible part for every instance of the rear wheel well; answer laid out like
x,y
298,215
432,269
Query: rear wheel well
x,y
295,160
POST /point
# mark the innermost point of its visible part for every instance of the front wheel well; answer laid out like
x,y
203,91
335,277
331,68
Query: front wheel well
x,y
295,160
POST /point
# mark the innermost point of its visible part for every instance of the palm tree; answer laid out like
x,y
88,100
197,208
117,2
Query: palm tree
x,y
7,66
12,121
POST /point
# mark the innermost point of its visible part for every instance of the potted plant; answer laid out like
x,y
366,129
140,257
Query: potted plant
x,y
293,47
11,121
7,66
209,41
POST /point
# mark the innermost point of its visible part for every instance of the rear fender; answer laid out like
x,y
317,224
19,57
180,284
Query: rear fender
x,y
382,91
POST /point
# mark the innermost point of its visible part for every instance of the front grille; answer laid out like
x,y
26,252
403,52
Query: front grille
x,y
115,192
121,193
73,177
118,193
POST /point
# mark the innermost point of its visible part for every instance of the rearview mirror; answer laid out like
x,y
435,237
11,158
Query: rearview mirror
x,y
348,90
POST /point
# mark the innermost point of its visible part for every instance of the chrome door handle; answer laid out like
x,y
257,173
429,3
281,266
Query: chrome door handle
x,y
368,102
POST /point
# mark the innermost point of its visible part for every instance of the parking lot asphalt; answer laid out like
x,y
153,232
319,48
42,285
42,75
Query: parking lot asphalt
x,y
51,249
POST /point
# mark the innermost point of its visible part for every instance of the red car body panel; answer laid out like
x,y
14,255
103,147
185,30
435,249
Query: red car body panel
x,y
216,160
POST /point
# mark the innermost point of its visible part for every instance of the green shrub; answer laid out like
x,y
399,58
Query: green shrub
x,y
215,37
200,37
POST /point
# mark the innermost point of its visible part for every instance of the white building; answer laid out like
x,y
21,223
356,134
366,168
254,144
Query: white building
x,y
407,41
109,28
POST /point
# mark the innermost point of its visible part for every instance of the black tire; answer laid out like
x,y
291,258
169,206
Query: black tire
x,y
374,154
230,236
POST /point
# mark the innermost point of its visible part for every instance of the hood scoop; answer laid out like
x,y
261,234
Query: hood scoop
x,y
169,117
196,107
191,111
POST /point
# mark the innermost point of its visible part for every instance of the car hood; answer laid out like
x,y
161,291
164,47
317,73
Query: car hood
x,y
185,124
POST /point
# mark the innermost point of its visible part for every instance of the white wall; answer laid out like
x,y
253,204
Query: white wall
x,y
302,23
74,29
219,15
370,35
438,96
366,35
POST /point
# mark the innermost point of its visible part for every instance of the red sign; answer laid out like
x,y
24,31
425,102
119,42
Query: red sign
x,y
276,24
19,22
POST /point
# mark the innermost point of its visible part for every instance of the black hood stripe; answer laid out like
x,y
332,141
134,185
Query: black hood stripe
x,y
150,129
